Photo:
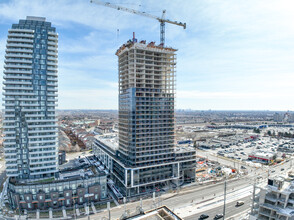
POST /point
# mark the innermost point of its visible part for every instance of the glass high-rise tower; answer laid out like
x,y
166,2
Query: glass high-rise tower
x,y
146,157
146,105
30,99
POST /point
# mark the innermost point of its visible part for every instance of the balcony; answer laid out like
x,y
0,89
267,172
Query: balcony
x,y
52,43
53,38
16,88
20,31
20,40
54,49
11,168
19,50
13,55
52,53
52,89
52,68
52,58
55,35
19,45
18,71
10,82
52,63
14,60
18,66
27,35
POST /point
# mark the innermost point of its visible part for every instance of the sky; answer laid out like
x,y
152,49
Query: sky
x,y
234,54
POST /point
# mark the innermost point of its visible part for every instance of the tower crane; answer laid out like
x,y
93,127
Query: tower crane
x,y
161,19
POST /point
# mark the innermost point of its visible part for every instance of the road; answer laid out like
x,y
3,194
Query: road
x,y
231,209
197,193
202,193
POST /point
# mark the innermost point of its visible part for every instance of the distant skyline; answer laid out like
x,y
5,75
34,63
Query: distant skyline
x,y
234,55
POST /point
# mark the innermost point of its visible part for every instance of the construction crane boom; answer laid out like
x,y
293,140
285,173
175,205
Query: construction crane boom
x,y
161,19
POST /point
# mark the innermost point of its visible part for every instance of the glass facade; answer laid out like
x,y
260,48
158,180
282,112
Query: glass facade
x,y
30,99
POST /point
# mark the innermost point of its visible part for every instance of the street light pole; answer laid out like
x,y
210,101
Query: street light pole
x,y
17,202
225,194
253,195
108,208
74,211
88,195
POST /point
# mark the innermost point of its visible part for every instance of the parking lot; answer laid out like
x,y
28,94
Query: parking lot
x,y
241,151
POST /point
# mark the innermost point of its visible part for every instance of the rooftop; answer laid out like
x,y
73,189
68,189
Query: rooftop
x,y
34,18
142,44
110,140
183,149
160,213
74,173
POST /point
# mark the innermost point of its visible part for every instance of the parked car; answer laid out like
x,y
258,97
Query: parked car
x,y
239,203
218,216
204,216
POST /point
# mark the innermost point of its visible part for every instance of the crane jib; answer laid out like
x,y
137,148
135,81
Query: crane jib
x,y
161,20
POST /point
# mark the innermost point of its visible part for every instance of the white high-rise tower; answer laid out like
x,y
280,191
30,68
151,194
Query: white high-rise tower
x,y
30,99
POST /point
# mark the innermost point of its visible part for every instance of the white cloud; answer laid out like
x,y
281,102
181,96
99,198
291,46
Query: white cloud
x,y
233,53
67,12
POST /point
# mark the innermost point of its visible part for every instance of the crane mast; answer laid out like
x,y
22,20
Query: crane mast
x,y
161,19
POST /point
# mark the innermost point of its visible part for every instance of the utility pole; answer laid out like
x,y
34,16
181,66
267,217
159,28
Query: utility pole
x,y
225,194
125,208
253,195
154,202
108,208
74,208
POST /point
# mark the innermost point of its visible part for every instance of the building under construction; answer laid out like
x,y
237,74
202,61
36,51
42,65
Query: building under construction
x,y
147,156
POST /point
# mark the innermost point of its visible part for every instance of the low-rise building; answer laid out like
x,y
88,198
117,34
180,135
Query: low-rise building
x,y
73,187
286,147
182,169
265,157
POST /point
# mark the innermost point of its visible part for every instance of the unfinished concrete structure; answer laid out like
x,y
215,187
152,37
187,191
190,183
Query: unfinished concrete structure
x,y
146,104
275,200
146,156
